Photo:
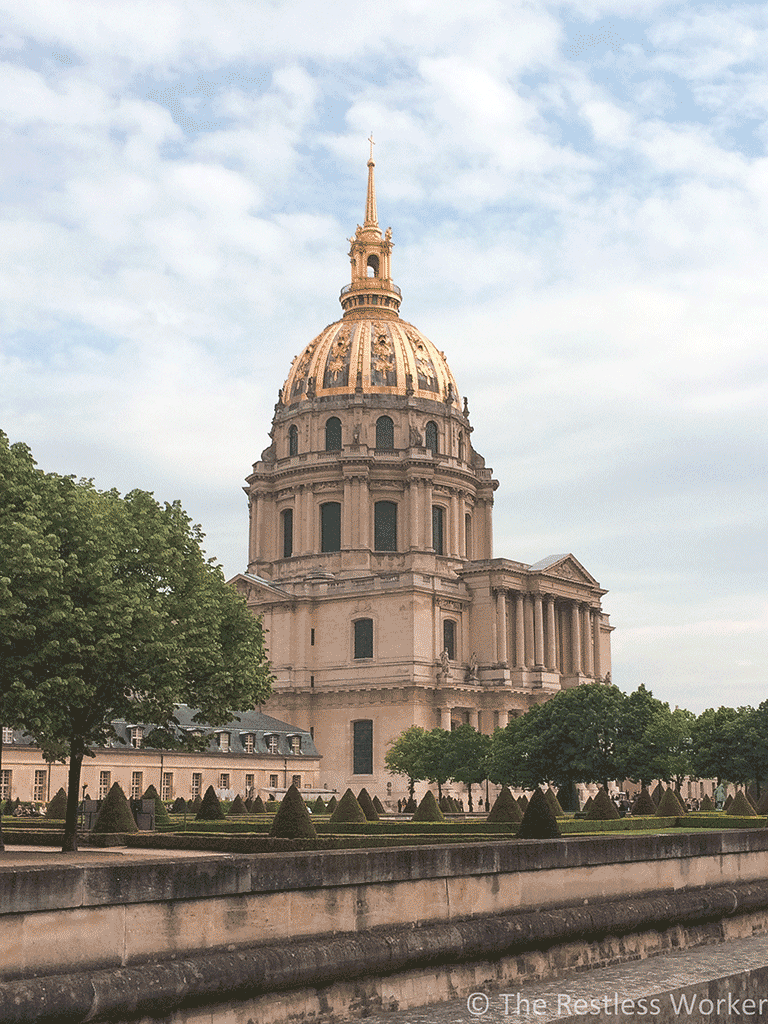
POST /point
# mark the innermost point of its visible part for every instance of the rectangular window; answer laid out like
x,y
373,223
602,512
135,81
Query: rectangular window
x,y
295,744
330,526
5,784
137,734
311,638
250,783
287,517
224,780
362,747
467,536
364,638
105,784
197,784
296,781
273,781
385,526
438,521
248,743
137,785
166,789
7,735
449,638
224,742
39,791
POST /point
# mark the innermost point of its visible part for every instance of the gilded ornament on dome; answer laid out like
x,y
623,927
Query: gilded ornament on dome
x,y
383,369
337,364
299,381
425,370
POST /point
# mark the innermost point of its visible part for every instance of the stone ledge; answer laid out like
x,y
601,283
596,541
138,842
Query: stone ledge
x,y
158,989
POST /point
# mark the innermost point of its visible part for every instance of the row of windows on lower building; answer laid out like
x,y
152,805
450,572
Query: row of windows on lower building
x,y
167,790
385,436
363,638
384,528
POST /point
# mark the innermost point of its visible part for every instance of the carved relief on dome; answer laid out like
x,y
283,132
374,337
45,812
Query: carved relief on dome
x,y
425,368
383,368
337,364
300,373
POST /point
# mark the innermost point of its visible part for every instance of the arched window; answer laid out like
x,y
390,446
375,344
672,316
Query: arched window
x,y
430,437
467,535
385,433
293,440
333,434
330,526
363,638
287,522
373,265
438,529
362,747
385,526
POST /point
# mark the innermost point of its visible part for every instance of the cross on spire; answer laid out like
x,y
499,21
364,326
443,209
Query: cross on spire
x,y
370,139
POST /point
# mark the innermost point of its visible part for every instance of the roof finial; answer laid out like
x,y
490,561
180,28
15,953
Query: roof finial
x,y
371,217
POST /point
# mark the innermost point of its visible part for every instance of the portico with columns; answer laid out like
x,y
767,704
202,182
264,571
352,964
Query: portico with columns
x,y
371,549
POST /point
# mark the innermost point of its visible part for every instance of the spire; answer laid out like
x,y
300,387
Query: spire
x,y
370,255
371,218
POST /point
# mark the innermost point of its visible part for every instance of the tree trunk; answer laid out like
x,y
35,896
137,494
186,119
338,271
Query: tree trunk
x,y
2,844
73,788
439,790
469,796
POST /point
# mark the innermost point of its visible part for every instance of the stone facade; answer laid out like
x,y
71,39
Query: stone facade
x,y
371,549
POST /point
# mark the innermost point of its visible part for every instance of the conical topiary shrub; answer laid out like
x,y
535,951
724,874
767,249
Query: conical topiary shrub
x,y
210,809
707,805
603,808
410,807
728,802
669,805
538,821
179,805
505,808
57,808
196,804
115,813
161,811
657,794
318,807
752,800
293,821
643,804
249,805
428,809
378,805
332,804
762,806
364,799
741,806
589,801
445,805
522,802
349,810
258,806
237,807
554,804
568,797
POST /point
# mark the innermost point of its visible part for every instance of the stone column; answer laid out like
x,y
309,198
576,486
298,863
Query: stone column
x,y
538,632
501,627
474,719
426,515
415,519
445,719
254,524
503,719
575,639
596,639
347,514
519,630
363,512
586,632
453,525
551,648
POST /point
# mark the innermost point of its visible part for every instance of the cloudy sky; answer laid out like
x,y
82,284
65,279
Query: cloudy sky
x,y
578,193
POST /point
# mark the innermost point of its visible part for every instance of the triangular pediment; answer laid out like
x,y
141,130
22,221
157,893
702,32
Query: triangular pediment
x,y
564,567
257,590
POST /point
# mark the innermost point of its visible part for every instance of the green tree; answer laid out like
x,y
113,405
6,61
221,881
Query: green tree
x,y
436,767
466,757
672,730
641,749
748,731
712,744
408,755
130,620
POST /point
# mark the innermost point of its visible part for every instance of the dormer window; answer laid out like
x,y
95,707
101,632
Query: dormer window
x,y
271,742
7,735
223,738
248,742
137,735
295,744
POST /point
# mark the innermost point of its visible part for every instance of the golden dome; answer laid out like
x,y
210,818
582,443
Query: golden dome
x,y
371,351
370,356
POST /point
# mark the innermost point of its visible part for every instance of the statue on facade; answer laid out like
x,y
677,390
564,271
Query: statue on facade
x,y
445,665
472,674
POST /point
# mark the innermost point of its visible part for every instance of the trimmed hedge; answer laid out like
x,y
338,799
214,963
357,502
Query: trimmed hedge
x,y
210,809
115,813
741,806
505,808
237,807
669,804
538,821
364,799
292,821
554,804
428,809
57,808
643,803
349,809
603,808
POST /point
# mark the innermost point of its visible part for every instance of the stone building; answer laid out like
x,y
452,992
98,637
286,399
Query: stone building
x,y
254,755
371,548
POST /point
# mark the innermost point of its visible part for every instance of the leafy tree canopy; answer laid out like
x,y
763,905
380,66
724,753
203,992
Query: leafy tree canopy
x,y
408,755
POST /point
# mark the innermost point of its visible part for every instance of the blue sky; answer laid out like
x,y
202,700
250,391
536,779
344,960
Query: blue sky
x,y
578,193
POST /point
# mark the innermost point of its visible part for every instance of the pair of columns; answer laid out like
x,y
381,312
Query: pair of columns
x,y
538,628
474,718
